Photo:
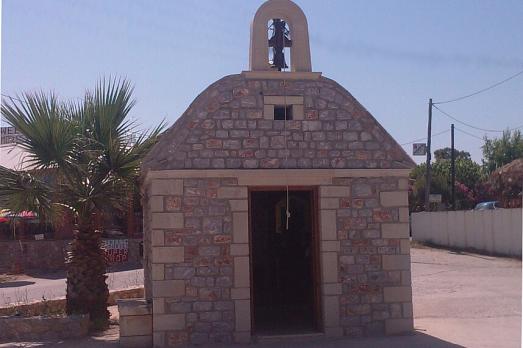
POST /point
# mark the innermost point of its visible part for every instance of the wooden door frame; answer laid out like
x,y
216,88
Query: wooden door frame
x,y
315,247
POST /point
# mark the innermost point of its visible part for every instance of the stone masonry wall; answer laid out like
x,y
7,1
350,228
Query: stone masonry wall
x,y
227,127
199,257
194,261
366,256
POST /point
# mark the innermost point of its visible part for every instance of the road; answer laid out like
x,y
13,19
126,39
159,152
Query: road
x,y
468,299
26,288
460,300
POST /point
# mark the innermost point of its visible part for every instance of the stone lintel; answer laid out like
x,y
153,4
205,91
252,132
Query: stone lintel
x,y
263,177
282,100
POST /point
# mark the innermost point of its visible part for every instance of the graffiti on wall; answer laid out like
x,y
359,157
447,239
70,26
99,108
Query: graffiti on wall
x,y
116,250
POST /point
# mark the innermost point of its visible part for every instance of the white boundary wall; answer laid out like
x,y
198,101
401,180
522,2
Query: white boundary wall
x,y
495,231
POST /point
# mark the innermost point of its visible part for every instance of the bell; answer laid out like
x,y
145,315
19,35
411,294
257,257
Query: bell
x,y
278,42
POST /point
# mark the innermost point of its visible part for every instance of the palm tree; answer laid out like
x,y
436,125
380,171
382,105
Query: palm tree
x,y
94,168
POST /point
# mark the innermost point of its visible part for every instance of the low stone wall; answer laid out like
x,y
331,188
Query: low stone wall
x,y
58,305
136,323
16,256
43,328
46,255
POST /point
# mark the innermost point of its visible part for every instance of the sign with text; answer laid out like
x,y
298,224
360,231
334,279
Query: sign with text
x,y
116,250
435,198
9,135
419,149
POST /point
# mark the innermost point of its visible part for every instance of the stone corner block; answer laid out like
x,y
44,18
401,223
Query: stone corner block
x,y
168,288
136,325
333,332
328,225
329,267
396,262
167,220
399,326
135,306
393,294
241,272
156,204
242,337
240,227
136,341
167,187
335,191
331,311
394,199
395,230
242,310
168,322
237,192
168,254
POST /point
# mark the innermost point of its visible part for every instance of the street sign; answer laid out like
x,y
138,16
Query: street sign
x,y
419,149
435,198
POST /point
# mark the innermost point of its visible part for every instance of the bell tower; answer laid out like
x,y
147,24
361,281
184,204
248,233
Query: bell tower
x,y
289,29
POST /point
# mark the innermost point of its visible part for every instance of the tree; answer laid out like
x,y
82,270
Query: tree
x,y
445,154
468,176
500,151
86,147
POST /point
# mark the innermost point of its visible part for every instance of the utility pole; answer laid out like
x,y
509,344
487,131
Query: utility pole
x,y
428,172
453,167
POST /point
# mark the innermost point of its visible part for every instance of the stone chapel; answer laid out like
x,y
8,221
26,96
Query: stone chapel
x,y
275,205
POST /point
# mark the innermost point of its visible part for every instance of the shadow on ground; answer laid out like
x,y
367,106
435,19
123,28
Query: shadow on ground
x,y
45,275
418,339
15,284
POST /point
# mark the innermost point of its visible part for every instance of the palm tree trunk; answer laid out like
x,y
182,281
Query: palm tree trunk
x,y
87,291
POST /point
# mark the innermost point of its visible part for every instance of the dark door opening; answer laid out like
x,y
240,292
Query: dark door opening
x,y
283,262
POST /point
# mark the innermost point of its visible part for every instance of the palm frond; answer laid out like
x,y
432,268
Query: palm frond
x,y
22,191
48,134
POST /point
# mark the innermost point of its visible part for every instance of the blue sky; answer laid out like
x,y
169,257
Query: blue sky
x,y
391,55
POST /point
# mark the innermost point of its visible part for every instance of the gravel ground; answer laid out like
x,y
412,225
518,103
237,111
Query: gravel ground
x,y
460,300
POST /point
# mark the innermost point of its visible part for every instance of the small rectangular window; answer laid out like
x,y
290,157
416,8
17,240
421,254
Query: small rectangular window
x,y
280,111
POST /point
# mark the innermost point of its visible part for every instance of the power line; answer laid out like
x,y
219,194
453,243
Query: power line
x,y
467,124
477,128
481,90
8,96
469,134
420,139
